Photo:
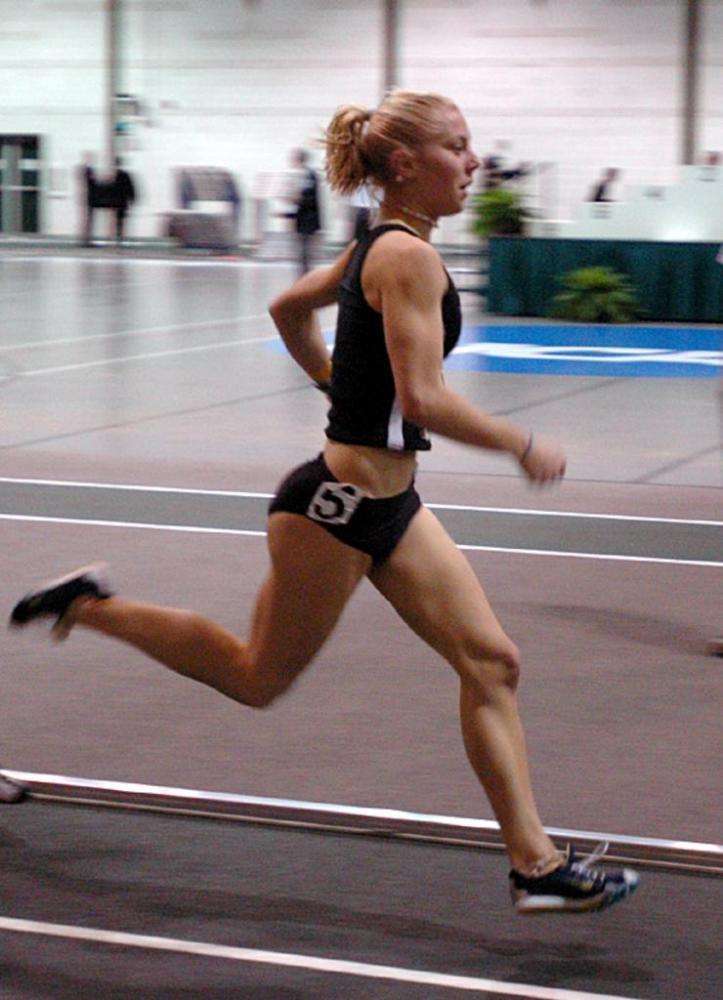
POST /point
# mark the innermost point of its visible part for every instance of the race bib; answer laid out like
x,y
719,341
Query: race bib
x,y
334,503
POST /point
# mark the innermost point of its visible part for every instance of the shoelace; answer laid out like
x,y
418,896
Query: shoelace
x,y
581,866
598,853
585,867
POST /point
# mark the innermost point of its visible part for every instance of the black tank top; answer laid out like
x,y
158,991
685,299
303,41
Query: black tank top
x,y
364,406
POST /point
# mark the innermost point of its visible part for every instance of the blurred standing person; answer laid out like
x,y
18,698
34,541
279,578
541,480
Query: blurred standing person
x,y
123,196
602,189
497,171
306,213
353,512
492,168
88,197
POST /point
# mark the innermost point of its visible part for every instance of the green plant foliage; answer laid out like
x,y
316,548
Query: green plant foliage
x,y
499,212
596,295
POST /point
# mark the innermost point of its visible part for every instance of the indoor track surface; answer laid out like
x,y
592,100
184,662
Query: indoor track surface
x,y
148,414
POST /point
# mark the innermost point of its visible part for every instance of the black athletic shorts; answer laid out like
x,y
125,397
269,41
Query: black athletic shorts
x,y
374,526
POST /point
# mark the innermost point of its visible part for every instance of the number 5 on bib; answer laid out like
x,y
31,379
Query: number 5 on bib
x,y
334,503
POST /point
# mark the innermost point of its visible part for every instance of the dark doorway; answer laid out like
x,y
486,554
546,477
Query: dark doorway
x,y
19,184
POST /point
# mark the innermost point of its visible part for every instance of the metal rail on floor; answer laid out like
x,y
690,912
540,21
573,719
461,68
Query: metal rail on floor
x,y
673,855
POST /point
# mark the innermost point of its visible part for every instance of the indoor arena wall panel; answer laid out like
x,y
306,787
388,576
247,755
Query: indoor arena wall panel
x,y
572,86
711,78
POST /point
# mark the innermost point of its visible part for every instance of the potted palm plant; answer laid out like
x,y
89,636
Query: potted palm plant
x,y
499,212
596,295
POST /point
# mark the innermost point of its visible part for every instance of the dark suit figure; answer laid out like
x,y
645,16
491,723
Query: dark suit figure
x,y
497,172
123,195
601,190
307,217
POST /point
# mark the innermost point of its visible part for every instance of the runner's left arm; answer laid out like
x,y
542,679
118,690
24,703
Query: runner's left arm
x,y
294,313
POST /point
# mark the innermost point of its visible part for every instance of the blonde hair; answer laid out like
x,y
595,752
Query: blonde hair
x,y
360,141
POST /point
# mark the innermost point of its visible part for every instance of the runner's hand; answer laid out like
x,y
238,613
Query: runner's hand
x,y
543,462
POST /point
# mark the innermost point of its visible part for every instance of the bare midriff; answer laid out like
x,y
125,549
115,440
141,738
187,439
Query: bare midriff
x,y
379,472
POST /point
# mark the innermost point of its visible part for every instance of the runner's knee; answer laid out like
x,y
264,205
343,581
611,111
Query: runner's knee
x,y
262,691
491,667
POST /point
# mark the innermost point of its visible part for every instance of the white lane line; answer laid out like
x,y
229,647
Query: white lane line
x,y
292,961
65,290
434,506
143,331
90,522
99,286
132,486
167,262
262,534
225,344
569,513
591,555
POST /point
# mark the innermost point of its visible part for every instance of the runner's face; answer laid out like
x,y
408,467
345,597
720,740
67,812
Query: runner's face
x,y
446,167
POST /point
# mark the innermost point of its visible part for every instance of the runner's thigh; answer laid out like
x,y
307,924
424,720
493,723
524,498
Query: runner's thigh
x,y
434,589
312,577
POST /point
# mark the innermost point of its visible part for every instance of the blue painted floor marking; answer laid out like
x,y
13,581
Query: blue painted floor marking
x,y
582,349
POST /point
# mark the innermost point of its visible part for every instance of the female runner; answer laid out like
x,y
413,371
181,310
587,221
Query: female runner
x,y
354,512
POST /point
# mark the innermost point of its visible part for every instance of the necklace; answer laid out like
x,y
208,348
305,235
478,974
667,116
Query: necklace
x,y
419,215
401,222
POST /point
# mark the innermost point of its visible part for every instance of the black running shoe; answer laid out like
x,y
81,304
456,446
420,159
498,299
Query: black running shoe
x,y
10,791
52,599
577,886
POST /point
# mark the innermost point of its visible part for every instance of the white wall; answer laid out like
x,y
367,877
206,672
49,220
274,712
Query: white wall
x,y
52,81
711,84
239,84
578,84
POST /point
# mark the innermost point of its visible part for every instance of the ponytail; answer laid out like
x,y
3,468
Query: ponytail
x,y
346,165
